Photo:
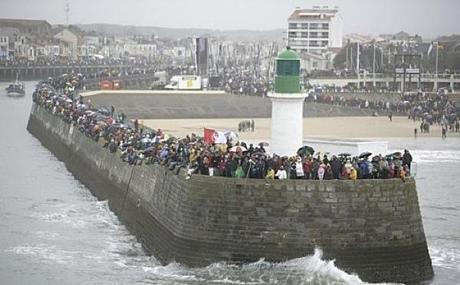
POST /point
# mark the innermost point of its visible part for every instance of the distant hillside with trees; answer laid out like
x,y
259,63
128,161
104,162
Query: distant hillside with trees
x,y
173,33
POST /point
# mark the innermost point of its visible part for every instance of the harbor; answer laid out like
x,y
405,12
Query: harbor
x,y
291,145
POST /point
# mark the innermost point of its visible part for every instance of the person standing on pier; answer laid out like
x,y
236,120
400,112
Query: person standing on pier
x,y
407,159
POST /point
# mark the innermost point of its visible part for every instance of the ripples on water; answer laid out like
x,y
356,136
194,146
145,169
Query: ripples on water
x,y
53,231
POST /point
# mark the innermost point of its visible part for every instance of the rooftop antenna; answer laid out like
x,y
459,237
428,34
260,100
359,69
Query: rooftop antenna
x,y
67,11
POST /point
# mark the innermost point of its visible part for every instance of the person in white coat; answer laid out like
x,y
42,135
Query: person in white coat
x,y
281,173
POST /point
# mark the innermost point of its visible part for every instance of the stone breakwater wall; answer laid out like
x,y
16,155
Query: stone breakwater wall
x,y
196,105
370,227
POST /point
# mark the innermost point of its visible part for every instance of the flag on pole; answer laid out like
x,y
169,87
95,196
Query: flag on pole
x,y
430,49
212,136
208,136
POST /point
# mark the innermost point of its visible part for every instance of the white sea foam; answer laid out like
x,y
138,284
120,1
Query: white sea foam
x,y
44,252
60,217
48,235
445,257
435,156
306,270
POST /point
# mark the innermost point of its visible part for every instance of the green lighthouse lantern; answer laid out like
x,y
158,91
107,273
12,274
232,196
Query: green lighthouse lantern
x,y
287,79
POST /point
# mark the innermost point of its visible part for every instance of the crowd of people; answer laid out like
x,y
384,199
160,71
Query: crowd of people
x,y
362,102
433,109
80,61
246,126
243,80
428,108
138,145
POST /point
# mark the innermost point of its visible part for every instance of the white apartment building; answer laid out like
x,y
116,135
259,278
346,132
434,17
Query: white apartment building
x,y
135,49
315,30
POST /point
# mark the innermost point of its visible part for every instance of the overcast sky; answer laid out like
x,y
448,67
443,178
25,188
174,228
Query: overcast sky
x,y
426,17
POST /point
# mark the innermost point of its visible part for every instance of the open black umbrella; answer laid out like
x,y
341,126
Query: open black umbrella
x,y
365,154
104,111
305,150
344,154
376,158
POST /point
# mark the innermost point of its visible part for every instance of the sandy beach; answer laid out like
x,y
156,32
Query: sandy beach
x,y
330,127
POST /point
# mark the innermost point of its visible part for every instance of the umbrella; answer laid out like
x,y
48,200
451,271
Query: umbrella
x,y
305,150
238,148
146,140
260,154
365,154
101,123
321,153
104,111
170,140
118,126
376,158
100,117
344,154
263,144
149,150
397,154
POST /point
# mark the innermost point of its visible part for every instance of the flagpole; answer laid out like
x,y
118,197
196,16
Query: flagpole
x,y
437,62
357,65
373,66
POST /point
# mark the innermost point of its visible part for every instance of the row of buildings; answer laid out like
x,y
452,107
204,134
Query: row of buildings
x,y
32,40
315,33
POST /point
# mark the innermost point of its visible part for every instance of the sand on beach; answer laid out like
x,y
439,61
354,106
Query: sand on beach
x,y
328,127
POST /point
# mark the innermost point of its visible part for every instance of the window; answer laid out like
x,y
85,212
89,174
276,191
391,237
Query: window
x,y
325,26
314,26
304,26
292,34
288,67
313,35
292,25
304,35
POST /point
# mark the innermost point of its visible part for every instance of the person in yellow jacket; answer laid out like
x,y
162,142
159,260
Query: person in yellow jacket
x,y
353,174
270,174
402,174
193,156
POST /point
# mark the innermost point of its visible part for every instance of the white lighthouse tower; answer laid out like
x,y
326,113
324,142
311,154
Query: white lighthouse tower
x,y
287,105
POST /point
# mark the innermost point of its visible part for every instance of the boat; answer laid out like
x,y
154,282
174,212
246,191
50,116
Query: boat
x,y
16,89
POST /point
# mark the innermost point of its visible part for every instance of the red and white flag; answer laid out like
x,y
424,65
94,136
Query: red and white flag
x,y
212,136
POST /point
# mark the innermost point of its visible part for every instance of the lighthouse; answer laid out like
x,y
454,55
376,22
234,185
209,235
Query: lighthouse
x,y
287,105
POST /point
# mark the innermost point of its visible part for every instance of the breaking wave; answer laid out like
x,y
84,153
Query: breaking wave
x,y
436,156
